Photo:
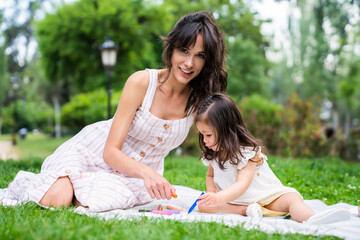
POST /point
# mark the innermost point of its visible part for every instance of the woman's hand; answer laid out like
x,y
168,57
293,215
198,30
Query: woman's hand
x,y
210,198
156,185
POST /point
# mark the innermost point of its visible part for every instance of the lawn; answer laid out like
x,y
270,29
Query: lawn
x,y
35,145
330,180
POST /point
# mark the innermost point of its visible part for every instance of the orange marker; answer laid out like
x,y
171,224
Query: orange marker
x,y
173,195
174,208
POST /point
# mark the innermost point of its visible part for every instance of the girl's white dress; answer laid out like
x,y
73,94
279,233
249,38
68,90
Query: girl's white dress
x,y
264,188
96,184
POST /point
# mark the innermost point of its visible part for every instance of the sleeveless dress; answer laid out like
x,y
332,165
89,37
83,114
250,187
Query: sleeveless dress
x,y
96,184
264,188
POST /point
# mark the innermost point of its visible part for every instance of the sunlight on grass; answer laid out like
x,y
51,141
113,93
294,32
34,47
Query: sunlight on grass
x,y
330,180
39,145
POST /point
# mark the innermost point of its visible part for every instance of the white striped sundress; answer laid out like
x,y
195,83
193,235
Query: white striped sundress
x,y
96,184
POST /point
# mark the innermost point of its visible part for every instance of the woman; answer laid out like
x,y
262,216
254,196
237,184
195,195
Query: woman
x,y
118,163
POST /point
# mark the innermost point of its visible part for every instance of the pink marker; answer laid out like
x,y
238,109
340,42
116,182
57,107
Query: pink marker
x,y
162,212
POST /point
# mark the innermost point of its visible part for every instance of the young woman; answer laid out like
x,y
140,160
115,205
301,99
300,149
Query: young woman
x,y
118,163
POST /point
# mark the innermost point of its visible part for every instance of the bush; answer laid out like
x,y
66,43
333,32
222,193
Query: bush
x,y
263,118
303,134
292,130
350,147
28,114
87,108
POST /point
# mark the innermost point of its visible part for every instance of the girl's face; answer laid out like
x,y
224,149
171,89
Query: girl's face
x,y
187,63
209,135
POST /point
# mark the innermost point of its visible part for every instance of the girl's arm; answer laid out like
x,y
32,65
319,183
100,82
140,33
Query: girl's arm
x,y
131,99
210,185
243,181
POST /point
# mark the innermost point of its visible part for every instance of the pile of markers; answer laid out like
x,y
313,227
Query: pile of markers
x,y
168,210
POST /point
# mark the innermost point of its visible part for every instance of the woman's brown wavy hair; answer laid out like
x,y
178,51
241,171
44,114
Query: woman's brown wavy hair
x,y
213,77
221,114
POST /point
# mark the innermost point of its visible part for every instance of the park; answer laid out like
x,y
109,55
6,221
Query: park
x,y
64,65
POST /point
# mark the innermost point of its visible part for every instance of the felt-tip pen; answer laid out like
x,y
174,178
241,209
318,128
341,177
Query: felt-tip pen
x,y
144,210
162,212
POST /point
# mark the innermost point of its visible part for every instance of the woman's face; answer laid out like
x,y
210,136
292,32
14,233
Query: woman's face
x,y
187,63
209,135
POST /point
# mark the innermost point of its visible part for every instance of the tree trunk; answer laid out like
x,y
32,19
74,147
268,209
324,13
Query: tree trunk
x,y
347,123
56,102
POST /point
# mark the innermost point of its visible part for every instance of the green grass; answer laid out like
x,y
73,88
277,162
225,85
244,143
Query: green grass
x,y
39,145
5,137
34,145
330,180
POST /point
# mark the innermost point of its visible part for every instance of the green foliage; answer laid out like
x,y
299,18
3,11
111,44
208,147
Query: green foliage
x,y
87,108
191,144
322,60
69,39
263,118
292,130
329,180
349,147
302,132
247,69
4,81
349,88
29,114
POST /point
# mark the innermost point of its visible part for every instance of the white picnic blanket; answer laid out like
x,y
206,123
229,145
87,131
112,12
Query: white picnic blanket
x,y
186,197
349,230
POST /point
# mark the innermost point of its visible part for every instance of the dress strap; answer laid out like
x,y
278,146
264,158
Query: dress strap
x,y
150,92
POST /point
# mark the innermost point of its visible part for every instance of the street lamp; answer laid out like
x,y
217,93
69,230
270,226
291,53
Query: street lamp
x,y
108,58
15,85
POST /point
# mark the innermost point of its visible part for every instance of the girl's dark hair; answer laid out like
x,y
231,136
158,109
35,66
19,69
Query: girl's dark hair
x,y
213,77
221,113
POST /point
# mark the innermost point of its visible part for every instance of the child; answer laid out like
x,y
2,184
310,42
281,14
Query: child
x,y
239,179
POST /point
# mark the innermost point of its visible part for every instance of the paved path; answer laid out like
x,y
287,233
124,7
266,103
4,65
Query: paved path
x,y
7,151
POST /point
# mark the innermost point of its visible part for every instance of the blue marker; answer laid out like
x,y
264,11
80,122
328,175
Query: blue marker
x,y
194,205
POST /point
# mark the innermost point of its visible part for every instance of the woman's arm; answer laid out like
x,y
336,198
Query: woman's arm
x,y
210,185
131,99
243,181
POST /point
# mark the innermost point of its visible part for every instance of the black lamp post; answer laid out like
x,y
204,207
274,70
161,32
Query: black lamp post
x,y
108,58
15,85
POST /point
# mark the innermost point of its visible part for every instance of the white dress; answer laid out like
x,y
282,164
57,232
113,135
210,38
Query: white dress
x,y
265,186
96,184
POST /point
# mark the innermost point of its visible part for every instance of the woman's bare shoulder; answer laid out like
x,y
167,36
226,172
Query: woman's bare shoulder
x,y
139,80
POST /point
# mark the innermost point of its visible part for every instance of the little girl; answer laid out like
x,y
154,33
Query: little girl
x,y
239,179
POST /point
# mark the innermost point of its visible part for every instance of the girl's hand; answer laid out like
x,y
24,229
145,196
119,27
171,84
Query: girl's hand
x,y
209,198
157,186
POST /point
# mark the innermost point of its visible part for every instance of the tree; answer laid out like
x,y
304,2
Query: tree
x,y
3,80
322,54
69,41
16,26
